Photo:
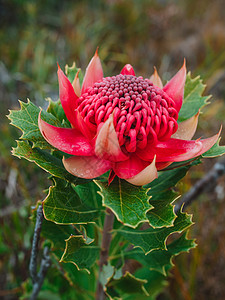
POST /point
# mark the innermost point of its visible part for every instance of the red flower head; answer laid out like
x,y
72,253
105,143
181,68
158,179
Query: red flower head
x,y
123,123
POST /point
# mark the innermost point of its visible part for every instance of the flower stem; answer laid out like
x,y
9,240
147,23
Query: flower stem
x,y
104,254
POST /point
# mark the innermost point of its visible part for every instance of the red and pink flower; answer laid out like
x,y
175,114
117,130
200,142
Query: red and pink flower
x,y
123,123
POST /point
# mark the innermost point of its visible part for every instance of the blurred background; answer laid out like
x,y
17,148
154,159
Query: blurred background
x,y
34,35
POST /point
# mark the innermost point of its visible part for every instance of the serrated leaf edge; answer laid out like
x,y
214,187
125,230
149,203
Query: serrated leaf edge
x,y
21,107
13,150
142,281
218,144
70,261
48,219
126,224
172,257
175,215
177,231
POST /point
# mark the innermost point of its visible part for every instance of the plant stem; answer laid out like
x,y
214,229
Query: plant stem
x,y
104,254
38,278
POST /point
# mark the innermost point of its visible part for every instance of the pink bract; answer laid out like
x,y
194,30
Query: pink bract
x,y
123,123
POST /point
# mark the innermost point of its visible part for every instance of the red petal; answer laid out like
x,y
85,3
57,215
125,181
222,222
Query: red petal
x,y
127,70
86,167
67,96
145,176
93,72
175,87
107,144
177,150
171,150
129,168
209,142
68,140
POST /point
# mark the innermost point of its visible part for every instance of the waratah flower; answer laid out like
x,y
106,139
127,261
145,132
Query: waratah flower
x,y
123,123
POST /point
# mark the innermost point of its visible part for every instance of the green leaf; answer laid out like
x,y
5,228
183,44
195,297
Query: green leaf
x,y
64,206
106,274
89,194
193,99
163,212
72,71
156,283
161,260
156,279
155,238
83,283
128,202
26,119
45,160
80,280
216,150
162,196
56,234
55,108
127,284
80,253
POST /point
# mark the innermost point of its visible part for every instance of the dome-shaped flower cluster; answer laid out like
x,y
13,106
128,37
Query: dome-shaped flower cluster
x,y
123,123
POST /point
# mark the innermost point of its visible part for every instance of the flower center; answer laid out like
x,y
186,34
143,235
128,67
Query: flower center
x,y
141,111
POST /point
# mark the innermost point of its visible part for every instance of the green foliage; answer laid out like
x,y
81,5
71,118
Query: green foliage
x,y
155,238
55,108
26,119
161,260
45,160
215,151
89,194
126,284
193,99
69,245
128,202
64,206
156,266
156,283
106,274
163,195
80,252
72,71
